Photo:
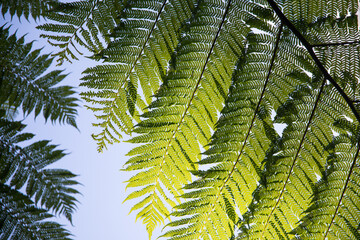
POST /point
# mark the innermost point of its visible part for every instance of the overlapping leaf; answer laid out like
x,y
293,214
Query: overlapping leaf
x,y
143,44
243,135
295,163
180,120
334,212
197,51
23,76
26,8
298,159
27,166
21,219
81,24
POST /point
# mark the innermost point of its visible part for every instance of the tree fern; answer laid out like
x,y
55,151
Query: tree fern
x,y
336,197
248,60
21,219
23,77
26,8
179,121
81,24
294,164
143,44
26,166
26,83
241,138
291,181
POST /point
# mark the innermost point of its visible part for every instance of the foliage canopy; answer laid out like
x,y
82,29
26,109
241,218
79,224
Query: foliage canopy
x,y
31,192
202,86
216,77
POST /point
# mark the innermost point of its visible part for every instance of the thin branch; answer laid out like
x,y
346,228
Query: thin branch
x,y
327,76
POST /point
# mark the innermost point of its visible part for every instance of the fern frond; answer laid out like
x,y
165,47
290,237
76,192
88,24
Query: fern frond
x,y
310,11
243,135
314,56
21,219
180,120
287,187
143,44
26,8
26,166
336,42
334,212
23,77
174,65
81,24
295,163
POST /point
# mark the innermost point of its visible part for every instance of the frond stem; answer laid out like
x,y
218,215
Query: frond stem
x,y
146,40
10,211
334,44
135,62
40,176
308,47
296,156
79,28
278,37
343,192
196,87
199,80
202,71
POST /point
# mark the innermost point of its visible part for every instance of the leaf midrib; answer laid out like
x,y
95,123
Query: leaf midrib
x,y
70,41
107,121
344,190
295,157
252,122
40,174
194,91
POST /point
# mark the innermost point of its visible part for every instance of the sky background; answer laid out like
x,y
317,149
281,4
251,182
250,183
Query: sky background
x,y
101,215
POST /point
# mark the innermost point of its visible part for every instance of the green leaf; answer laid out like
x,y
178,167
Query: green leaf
x,y
24,76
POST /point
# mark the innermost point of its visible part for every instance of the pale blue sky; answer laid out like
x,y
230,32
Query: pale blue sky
x,y
101,214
